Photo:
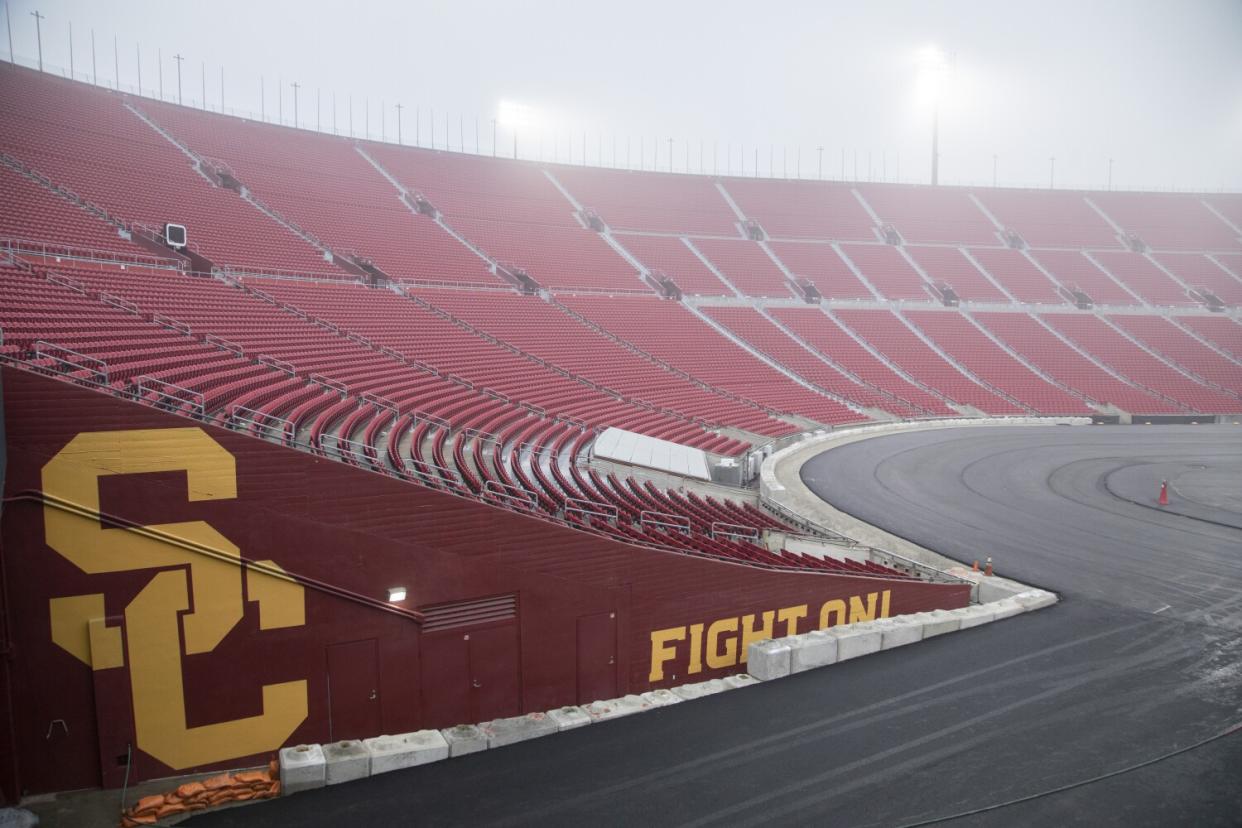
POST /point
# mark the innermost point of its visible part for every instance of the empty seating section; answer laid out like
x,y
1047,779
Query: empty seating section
x,y
1050,218
1168,221
1199,272
884,267
670,332
746,266
658,202
1139,274
1228,205
1174,344
1225,334
1061,361
930,214
889,335
949,264
1074,271
28,210
1095,336
86,140
803,209
670,255
832,341
1015,272
750,326
954,334
545,331
556,257
823,266
417,333
327,188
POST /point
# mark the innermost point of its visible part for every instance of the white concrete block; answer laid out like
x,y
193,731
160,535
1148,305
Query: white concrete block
x,y
464,738
810,650
1034,599
615,708
899,631
938,622
992,588
567,718
697,691
740,680
501,732
1007,608
768,659
661,698
346,761
854,640
975,615
302,768
405,750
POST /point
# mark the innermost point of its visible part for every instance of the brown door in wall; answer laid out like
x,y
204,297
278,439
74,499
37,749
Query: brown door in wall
x,y
353,690
597,657
445,669
495,690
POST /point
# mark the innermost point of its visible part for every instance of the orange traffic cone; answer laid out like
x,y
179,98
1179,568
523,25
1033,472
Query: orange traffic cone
x,y
1164,493
975,568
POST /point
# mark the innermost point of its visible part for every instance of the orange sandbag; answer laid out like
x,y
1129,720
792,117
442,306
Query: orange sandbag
x,y
132,821
250,777
170,809
273,768
189,790
212,783
148,804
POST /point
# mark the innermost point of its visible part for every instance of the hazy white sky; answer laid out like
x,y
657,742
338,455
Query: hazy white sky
x,y
1155,85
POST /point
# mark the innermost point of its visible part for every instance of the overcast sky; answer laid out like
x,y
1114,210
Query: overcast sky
x,y
1155,85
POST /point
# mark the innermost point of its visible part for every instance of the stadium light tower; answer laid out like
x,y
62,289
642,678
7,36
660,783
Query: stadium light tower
x,y
39,18
177,57
933,75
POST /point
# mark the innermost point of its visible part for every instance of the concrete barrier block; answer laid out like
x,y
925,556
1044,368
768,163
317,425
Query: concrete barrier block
x,y
464,738
992,588
346,761
740,680
899,631
1034,599
975,615
661,698
302,768
810,650
390,753
501,732
567,718
854,640
689,692
769,659
1007,608
938,622
601,711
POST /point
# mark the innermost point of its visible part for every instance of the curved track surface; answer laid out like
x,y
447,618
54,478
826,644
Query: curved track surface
x,y
1013,721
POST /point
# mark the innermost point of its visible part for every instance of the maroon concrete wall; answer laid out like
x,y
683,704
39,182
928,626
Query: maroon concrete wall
x,y
360,533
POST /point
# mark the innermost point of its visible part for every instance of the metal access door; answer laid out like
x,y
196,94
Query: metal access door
x,y
597,657
470,675
353,690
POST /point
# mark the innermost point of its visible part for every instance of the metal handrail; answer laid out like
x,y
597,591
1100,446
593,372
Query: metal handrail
x,y
171,392
50,350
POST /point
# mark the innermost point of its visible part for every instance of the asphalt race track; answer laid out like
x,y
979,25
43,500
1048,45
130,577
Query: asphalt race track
x,y
1105,709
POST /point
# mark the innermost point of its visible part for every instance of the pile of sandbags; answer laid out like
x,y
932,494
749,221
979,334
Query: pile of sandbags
x,y
195,796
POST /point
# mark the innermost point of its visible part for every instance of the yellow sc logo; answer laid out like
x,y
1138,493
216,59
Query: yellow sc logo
x,y
192,560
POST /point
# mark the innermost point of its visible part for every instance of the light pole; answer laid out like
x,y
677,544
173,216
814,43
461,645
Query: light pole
x,y
177,57
296,86
670,154
38,35
1110,173
159,70
821,162
94,68
399,141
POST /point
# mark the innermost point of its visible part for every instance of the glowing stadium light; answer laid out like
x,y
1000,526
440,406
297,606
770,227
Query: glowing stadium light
x,y
931,85
514,115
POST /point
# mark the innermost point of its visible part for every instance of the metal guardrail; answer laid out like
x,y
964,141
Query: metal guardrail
x,y
664,520
224,344
57,252
591,508
172,324
733,530
510,495
65,358
173,396
330,384
268,426
351,451
429,471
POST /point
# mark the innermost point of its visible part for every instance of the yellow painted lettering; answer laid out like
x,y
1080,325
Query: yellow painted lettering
x,y
750,634
696,649
790,616
715,658
860,613
884,599
661,652
835,606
